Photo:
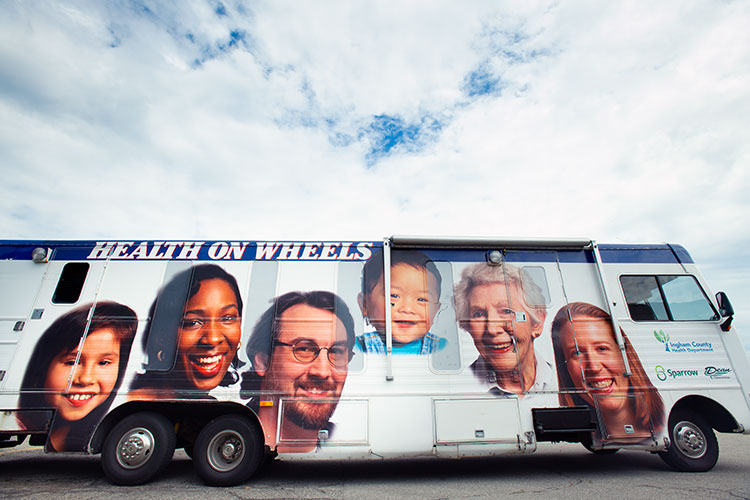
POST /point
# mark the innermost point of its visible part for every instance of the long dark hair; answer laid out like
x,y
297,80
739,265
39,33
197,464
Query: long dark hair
x,y
64,335
168,332
650,407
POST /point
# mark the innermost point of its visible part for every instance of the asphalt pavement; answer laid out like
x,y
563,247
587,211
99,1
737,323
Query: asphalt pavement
x,y
564,471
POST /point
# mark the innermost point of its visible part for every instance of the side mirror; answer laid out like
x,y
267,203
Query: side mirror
x,y
725,309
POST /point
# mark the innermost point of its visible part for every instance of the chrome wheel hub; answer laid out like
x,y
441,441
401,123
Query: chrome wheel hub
x,y
226,450
689,439
135,448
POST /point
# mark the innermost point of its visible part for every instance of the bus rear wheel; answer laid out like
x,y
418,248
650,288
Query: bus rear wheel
x,y
138,448
227,451
693,446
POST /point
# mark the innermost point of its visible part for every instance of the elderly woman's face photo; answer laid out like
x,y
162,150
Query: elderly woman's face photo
x,y
597,365
93,380
209,334
491,327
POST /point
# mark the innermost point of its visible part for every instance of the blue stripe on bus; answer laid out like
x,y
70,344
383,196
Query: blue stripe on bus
x,y
611,254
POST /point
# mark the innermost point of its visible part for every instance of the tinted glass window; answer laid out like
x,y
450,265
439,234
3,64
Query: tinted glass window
x,y
686,299
645,302
71,282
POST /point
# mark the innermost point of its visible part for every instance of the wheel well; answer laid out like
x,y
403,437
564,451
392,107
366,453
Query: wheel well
x,y
718,416
188,417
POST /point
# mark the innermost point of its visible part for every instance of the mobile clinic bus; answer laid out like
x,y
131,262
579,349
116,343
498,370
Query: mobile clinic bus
x,y
241,350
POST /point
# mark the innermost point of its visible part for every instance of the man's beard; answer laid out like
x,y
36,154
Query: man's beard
x,y
307,413
310,414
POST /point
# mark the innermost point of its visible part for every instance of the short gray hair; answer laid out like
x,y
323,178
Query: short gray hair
x,y
485,274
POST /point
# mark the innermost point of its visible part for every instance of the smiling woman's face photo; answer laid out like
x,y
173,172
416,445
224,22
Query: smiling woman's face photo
x,y
596,365
209,334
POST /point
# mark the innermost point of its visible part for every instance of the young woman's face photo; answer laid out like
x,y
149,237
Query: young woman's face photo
x,y
94,377
209,334
597,366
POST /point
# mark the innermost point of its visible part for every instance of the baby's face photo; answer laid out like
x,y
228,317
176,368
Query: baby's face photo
x,y
414,303
414,298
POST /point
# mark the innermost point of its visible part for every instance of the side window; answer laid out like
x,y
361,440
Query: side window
x,y
666,298
161,343
444,325
645,302
686,300
535,287
71,282
347,287
260,295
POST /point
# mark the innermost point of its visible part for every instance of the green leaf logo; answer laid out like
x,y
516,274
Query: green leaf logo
x,y
660,336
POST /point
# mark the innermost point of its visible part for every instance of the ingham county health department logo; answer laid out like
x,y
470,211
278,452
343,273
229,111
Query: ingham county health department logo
x,y
682,347
663,338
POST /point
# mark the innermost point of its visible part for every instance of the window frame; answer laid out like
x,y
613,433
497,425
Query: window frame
x,y
666,303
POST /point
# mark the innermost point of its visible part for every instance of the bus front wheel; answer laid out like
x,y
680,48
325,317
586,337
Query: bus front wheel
x,y
693,446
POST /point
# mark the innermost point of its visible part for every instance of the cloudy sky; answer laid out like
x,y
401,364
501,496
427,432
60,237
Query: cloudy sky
x,y
619,121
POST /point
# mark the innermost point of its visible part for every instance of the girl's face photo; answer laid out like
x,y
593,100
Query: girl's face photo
x,y
597,367
209,334
93,380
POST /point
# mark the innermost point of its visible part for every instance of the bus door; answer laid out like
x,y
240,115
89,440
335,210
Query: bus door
x,y
535,287
66,286
19,286
507,318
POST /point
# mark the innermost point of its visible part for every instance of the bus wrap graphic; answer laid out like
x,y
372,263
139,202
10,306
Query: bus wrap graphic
x,y
663,338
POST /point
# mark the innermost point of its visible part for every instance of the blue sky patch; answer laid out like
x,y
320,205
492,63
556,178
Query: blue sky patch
x,y
238,39
388,134
481,81
220,9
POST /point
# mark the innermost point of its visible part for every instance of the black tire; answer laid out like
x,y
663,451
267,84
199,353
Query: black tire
x,y
228,451
138,448
692,443
269,458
